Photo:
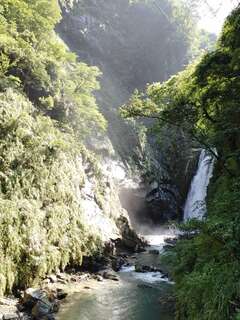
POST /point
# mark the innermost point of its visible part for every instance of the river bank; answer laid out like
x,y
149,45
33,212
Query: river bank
x,y
43,302
119,270
143,291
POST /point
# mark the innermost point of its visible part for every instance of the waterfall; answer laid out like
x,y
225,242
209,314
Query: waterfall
x,y
195,206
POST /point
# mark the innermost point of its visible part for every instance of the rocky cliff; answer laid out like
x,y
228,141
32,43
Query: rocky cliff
x,y
130,44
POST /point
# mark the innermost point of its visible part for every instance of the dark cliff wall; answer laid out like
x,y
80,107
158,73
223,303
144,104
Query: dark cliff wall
x,y
133,44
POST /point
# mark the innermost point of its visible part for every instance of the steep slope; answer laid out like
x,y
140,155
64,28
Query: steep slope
x,y
134,44
203,101
52,188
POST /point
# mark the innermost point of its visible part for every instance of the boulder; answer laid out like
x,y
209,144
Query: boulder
x,y
154,251
163,204
53,278
7,302
42,310
110,276
98,277
10,316
40,303
63,278
117,263
144,286
171,241
129,239
31,296
143,269
61,294
110,248
83,277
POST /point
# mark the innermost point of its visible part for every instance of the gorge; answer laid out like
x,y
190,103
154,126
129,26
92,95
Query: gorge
x,y
139,295
119,161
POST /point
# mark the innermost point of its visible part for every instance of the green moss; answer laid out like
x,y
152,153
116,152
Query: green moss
x,y
47,109
40,211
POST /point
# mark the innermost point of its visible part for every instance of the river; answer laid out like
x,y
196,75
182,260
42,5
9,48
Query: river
x,y
140,296
135,297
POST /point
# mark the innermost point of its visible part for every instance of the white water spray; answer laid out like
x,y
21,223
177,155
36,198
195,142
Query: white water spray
x,y
195,206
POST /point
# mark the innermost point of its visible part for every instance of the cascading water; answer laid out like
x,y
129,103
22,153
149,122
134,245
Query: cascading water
x,y
195,206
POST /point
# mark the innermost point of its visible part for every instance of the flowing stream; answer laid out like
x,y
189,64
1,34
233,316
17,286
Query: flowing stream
x,y
141,296
135,297
195,206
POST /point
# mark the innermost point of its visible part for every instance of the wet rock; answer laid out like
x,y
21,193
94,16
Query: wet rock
x,y
164,203
84,277
42,310
165,276
169,300
110,276
117,263
154,251
63,278
95,264
110,248
10,316
46,282
61,294
40,303
171,241
144,286
143,269
74,278
53,278
7,302
129,240
98,277
31,296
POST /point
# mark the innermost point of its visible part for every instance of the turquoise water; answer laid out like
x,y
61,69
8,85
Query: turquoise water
x,y
135,297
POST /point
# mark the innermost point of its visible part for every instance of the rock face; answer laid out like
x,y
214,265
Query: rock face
x,y
108,34
118,37
110,276
169,181
129,239
103,212
163,202
9,310
40,304
144,269
154,251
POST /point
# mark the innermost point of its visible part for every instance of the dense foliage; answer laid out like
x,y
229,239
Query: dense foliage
x,y
203,101
34,61
47,109
134,43
114,35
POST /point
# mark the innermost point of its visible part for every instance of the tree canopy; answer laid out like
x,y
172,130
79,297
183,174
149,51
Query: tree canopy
x,y
47,110
34,60
203,100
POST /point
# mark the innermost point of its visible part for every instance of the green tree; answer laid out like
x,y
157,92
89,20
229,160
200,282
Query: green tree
x,y
203,101
47,109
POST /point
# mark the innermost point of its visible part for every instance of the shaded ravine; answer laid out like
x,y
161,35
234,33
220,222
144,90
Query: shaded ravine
x,y
141,296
